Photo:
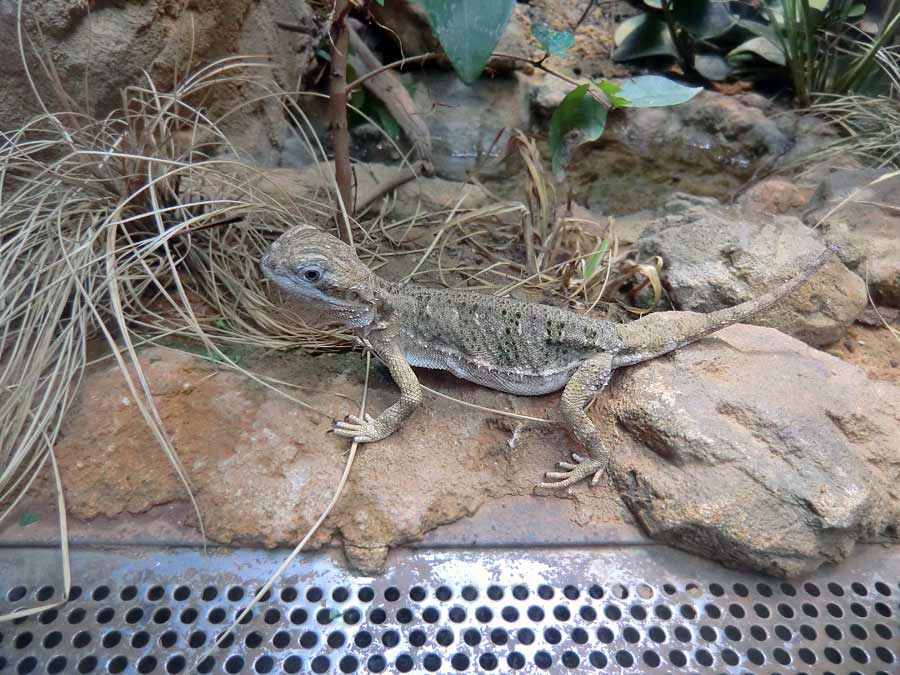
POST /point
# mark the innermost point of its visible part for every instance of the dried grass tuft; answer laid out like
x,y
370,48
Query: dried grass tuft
x,y
104,236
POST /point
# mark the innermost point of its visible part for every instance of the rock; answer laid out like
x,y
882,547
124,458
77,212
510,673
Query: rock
x,y
114,44
290,187
775,195
717,256
710,146
878,316
263,468
737,133
753,449
865,229
470,125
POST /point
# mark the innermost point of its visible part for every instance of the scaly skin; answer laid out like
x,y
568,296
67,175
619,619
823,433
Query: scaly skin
x,y
501,343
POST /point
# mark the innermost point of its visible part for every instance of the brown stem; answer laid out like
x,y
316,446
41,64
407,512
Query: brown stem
x,y
584,14
387,88
539,64
399,179
337,111
389,66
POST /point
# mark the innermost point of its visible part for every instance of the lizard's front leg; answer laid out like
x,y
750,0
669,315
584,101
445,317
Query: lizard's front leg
x,y
372,429
590,378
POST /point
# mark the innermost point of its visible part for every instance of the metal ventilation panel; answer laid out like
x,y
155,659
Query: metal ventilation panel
x,y
626,609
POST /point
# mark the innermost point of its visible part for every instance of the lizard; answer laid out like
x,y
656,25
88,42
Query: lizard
x,y
510,345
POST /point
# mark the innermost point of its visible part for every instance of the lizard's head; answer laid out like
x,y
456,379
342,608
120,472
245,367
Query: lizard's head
x,y
316,267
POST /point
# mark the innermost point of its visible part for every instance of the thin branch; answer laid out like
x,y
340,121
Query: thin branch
x,y
337,115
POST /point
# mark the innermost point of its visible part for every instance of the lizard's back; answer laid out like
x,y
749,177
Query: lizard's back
x,y
501,343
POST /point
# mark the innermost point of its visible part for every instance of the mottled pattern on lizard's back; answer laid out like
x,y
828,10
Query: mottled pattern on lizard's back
x,y
506,344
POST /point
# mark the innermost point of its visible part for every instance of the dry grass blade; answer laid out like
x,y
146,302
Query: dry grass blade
x,y
106,235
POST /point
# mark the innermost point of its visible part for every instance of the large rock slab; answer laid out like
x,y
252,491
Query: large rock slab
x,y
866,228
96,49
753,449
717,256
263,468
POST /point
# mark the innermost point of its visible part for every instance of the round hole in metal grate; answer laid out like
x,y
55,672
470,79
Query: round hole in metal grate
x,y
492,612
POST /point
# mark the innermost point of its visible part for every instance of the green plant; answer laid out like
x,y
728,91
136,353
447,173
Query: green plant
x,y
825,52
815,44
697,34
468,31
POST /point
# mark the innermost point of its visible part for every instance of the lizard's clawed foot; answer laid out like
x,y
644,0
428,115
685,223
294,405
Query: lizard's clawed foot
x,y
573,473
361,430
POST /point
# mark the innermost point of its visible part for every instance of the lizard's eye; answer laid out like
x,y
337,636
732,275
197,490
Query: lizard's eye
x,y
353,296
311,274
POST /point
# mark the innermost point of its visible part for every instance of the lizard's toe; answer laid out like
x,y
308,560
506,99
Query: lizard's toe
x,y
573,473
360,429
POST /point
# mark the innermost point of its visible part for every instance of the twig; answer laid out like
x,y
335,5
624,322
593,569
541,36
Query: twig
x,y
387,87
584,14
296,28
539,64
402,177
390,66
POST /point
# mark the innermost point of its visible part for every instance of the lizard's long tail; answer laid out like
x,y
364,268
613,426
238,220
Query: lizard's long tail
x,y
657,334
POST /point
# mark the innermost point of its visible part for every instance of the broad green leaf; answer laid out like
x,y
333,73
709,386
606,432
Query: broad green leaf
x,y
468,31
820,5
580,118
554,42
610,90
712,66
590,266
652,91
758,29
704,19
624,29
641,37
763,48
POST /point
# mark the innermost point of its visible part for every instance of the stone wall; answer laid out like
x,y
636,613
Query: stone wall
x,y
96,48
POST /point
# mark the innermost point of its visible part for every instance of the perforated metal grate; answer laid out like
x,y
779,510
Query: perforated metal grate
x,y
641,609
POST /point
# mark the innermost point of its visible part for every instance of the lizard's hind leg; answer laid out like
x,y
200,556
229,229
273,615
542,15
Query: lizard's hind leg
x,y
583,386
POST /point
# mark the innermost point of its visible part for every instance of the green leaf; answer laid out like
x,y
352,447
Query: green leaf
x,y
27,519
762,47
610,89
704,19
641,37
653,91
580,118
380,2
857,11
468,31
590,266
554,42
387,122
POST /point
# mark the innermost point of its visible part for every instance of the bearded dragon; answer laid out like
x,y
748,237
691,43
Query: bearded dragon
x,y
497,342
